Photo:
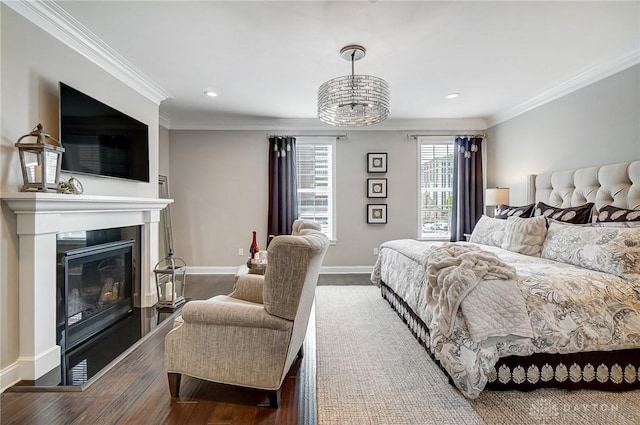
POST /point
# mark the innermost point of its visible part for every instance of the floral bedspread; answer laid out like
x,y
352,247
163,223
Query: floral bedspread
x,y
571,309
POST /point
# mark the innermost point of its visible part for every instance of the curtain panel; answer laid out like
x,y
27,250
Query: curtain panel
x,y
468,190
283,197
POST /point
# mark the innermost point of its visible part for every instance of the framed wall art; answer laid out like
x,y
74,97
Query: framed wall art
x,y
376,163
377,213
376,188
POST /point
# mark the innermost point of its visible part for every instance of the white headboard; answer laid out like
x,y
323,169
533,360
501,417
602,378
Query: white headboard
x,y
614,184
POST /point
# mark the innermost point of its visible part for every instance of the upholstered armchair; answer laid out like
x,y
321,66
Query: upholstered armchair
x,y
300,225
251,337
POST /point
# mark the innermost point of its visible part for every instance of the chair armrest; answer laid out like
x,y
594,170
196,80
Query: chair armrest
x,y
226,311
248,287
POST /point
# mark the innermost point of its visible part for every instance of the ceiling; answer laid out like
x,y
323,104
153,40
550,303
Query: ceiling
x,y
267,59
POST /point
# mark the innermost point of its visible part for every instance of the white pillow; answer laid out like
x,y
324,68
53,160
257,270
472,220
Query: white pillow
x,y
488,231
613,250
525,235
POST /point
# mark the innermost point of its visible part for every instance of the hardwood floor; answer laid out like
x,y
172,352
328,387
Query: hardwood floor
x,y
136,391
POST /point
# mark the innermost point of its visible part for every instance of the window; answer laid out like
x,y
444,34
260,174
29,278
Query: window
x,y
435,169
315,159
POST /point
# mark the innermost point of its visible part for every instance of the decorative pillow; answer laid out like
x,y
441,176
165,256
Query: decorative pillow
x,y
613,250
578,215
505,211
610,213
525,235
488,231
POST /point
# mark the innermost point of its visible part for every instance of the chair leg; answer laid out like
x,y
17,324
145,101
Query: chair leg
x,y
174,383
301,352
274,398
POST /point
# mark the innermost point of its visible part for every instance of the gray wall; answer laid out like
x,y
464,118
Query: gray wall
x,y
598,124
32,64
219,182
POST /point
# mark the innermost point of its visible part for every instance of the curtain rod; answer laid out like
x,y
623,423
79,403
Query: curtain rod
x,y
337,136
453,133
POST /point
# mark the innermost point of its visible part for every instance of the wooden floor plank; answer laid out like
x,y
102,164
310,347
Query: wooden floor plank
x,y
136,391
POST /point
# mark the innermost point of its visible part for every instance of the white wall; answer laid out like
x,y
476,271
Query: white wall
x,y
596,125
32,64
163,152
219,183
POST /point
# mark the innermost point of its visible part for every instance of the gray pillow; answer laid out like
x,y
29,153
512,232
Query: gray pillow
x,y
525,235
505,211
579,215
610,214
613,250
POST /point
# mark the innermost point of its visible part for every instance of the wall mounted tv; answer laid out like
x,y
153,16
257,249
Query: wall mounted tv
x,y
100,140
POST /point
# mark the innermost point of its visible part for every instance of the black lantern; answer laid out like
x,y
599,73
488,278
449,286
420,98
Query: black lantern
x,y
171,275
40,161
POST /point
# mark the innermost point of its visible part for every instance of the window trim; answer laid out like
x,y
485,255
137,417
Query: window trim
x,y
431,140
326,140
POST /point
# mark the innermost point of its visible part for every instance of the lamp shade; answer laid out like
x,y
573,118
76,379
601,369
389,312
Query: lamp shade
x,y
353,100
497,196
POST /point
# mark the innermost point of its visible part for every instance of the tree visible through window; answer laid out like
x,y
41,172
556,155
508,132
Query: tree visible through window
x,y
315,169
436,188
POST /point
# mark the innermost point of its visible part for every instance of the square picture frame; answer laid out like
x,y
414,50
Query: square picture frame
x,y
376,213
376,188
377,162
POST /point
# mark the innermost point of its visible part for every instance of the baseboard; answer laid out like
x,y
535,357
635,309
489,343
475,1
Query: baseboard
x,y
211,270
9,376
346,270
323,270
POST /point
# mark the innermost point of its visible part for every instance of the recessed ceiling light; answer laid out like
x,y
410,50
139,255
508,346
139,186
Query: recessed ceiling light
x,y
210,93
452,95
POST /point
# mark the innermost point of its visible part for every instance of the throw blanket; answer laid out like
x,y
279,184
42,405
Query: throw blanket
x,y
453,270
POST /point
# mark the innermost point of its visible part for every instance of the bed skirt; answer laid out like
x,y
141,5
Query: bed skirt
x,y
599,370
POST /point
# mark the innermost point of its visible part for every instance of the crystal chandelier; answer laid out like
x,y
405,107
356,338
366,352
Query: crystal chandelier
x,y
353,100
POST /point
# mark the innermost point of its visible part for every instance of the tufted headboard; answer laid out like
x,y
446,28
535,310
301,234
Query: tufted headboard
x,y
614,184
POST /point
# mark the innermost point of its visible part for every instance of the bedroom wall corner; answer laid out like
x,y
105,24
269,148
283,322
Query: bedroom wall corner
x,y
595,125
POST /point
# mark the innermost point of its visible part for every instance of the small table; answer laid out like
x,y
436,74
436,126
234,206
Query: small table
x,y
254,269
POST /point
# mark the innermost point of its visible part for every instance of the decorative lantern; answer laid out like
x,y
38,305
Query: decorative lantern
x,y
40,161
171,275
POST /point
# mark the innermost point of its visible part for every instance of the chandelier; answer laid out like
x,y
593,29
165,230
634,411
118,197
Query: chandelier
x,y
353,100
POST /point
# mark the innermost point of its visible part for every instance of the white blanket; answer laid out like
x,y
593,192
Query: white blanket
x,y
453,271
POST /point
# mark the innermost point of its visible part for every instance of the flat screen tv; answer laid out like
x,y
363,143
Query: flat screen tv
x,y
100,140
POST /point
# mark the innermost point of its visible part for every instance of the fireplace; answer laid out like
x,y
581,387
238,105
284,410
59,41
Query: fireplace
x,y
41,218
94,291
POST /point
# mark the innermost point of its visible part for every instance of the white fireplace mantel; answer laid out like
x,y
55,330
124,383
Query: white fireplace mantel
x,y
41,216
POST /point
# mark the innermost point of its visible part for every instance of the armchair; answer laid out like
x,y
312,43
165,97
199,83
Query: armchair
x,y
300,225
251,337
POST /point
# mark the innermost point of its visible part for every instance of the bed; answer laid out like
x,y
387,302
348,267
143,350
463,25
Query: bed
x,y
566,315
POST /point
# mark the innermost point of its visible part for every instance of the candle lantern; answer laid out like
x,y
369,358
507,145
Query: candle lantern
x,y
40,161
171,273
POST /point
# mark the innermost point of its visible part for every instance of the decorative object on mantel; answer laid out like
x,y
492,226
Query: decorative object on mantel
x,y
40,161
171,275
72,185
353,100
376,163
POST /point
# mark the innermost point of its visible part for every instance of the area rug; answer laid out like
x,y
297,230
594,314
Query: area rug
x,y
371,370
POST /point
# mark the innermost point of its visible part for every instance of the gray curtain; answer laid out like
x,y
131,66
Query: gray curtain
x,y
283,198
468,191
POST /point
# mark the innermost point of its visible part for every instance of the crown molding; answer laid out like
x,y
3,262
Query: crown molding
x,y
578,81
53,19
165,120
314,124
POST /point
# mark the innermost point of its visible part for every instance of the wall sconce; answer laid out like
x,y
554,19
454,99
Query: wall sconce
x,y
496,196
40,161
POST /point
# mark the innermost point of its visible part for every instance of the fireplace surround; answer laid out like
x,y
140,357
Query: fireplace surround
x,y
40,217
